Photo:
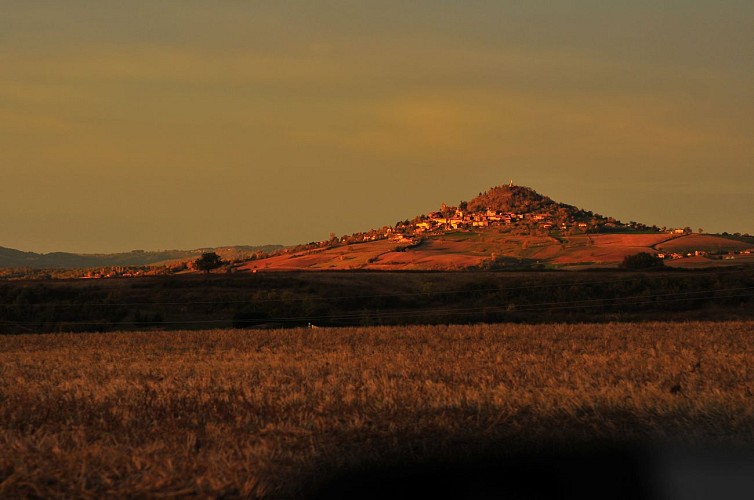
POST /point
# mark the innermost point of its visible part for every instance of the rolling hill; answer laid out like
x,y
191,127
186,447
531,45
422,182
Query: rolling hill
x,y
10,258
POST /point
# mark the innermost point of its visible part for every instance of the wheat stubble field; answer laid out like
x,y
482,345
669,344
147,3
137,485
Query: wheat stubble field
x,y
280,413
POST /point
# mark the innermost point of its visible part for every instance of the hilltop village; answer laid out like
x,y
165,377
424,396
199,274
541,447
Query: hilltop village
x,y
449,218
516,209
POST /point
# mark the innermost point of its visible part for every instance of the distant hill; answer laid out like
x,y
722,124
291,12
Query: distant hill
x,y
10,258
507,227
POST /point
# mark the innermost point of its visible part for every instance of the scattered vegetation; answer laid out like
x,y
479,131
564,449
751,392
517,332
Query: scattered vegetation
x,y
254,413
514,199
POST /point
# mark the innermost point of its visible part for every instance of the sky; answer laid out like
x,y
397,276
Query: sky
x,y
187,124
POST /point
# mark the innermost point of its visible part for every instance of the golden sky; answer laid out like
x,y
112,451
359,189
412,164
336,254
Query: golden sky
x,y
183,124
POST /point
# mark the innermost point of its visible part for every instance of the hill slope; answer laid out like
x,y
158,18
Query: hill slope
x,y
506,227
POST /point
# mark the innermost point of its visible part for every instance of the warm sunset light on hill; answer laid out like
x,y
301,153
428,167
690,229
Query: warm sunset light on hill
x,y
162,125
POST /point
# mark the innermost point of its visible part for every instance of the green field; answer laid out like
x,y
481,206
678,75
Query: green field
x,y
282,413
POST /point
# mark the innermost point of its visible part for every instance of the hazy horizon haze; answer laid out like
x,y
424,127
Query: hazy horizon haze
x,y
181,125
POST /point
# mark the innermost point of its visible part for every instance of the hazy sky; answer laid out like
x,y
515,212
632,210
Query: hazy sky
x,y
182,124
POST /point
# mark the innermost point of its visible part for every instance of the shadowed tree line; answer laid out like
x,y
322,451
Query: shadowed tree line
x,y
272,300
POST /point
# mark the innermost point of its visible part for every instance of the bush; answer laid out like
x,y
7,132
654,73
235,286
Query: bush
x,y
641,260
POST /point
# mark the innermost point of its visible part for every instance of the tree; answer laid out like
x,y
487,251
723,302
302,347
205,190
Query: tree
x,y
642,260
208,261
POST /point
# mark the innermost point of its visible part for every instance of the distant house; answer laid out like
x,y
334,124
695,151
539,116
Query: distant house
x,y
400,238
455,223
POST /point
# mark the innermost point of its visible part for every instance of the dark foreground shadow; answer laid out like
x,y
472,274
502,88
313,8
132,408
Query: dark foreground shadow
x,y
578,472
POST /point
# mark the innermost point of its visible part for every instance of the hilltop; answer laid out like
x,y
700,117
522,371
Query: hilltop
x,y
514,199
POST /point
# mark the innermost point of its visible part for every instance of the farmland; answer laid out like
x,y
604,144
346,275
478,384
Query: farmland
x,y
480,248
289,412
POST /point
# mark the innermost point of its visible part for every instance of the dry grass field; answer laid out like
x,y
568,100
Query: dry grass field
x,y
279,413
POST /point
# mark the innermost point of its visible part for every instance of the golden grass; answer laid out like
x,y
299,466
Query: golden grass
x,y
271,413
